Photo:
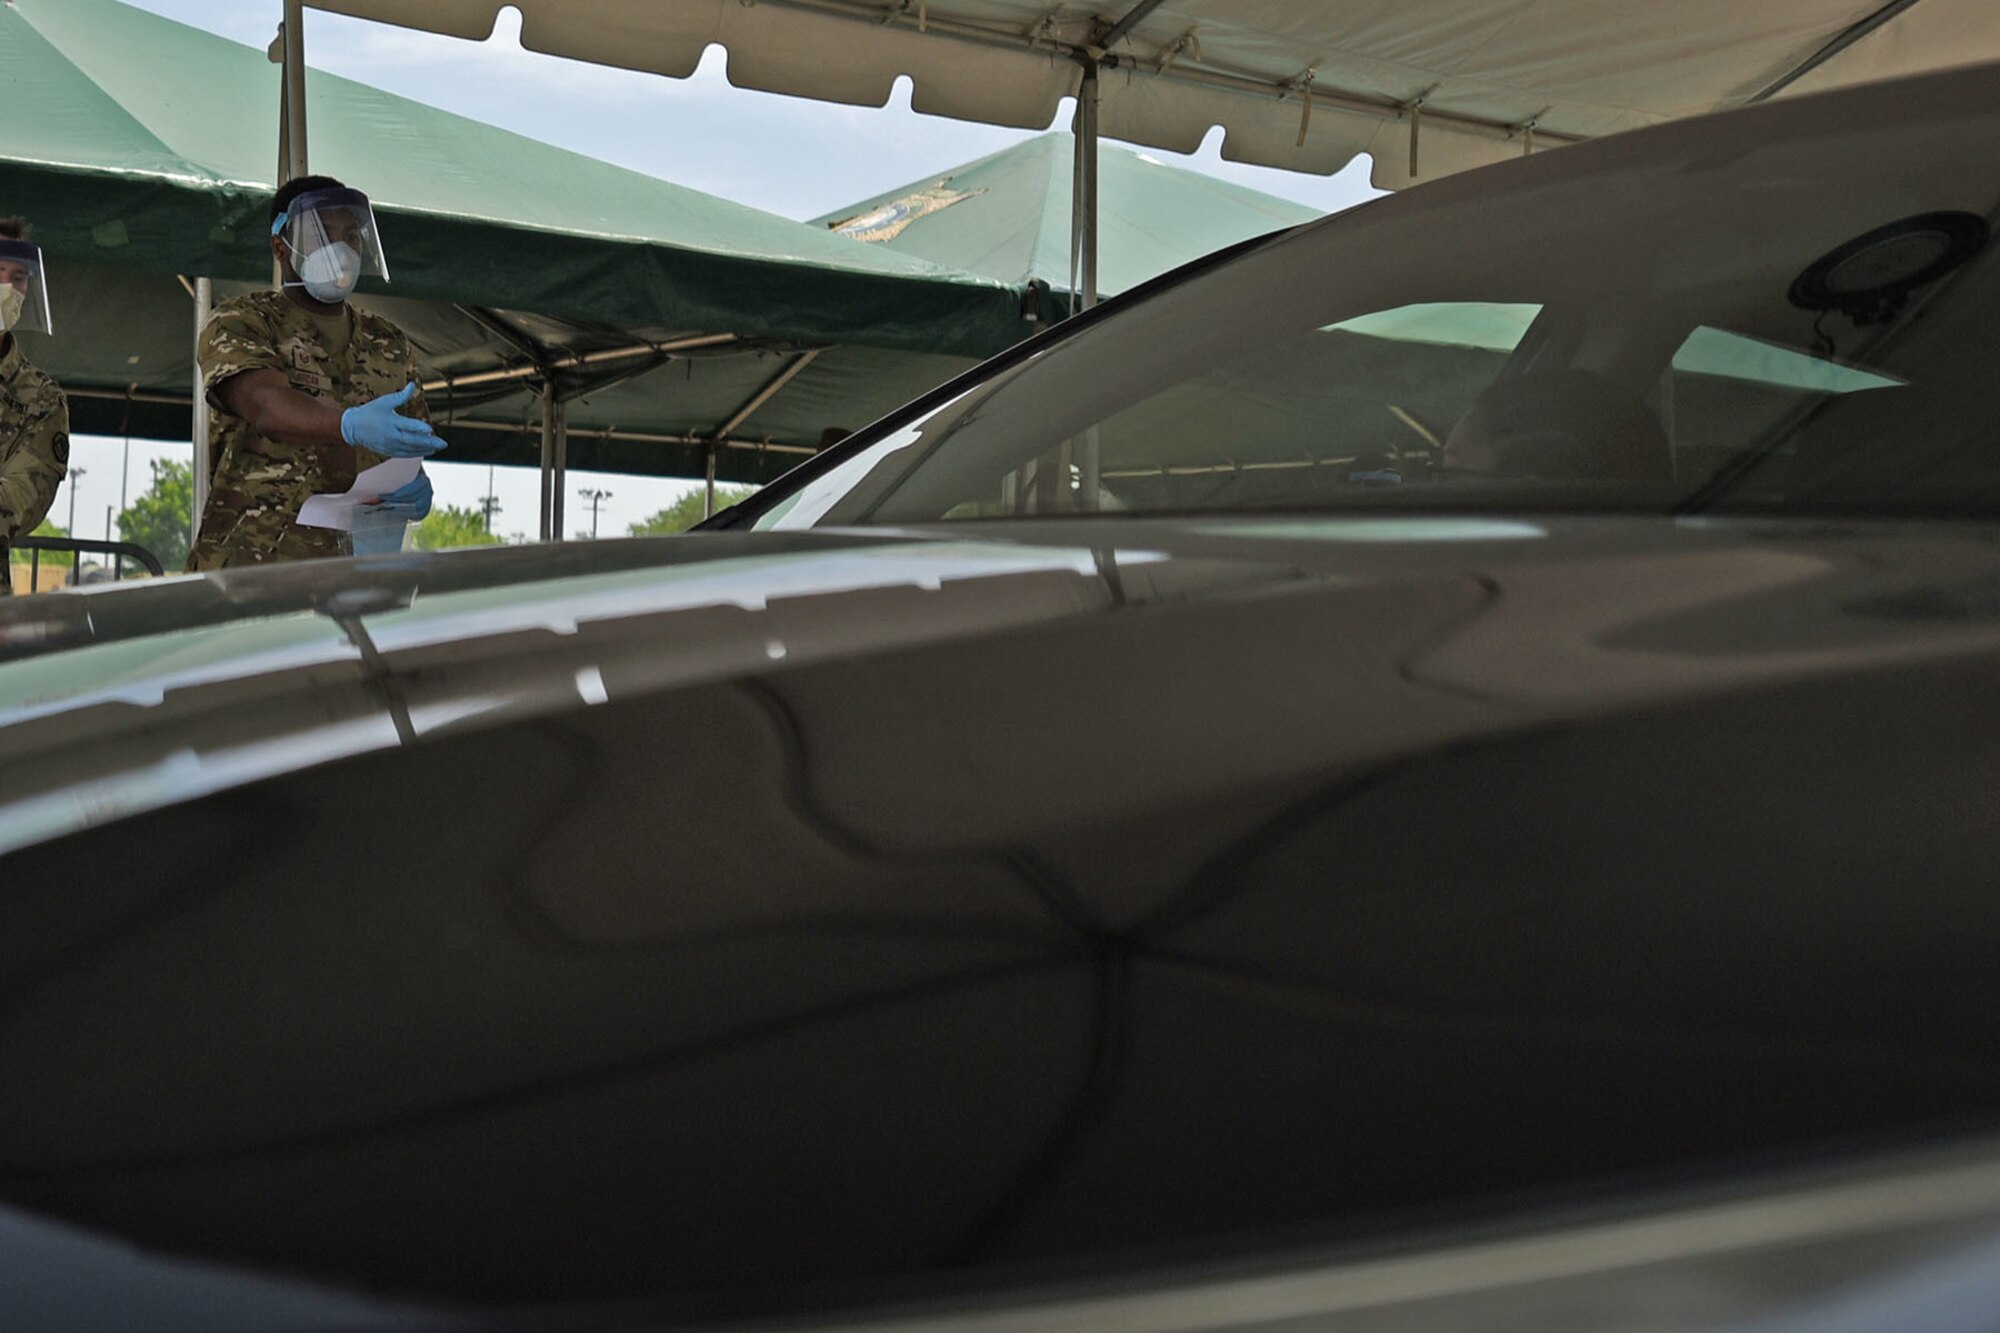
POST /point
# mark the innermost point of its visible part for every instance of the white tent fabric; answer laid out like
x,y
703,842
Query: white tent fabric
x,y
1936,34
1427,86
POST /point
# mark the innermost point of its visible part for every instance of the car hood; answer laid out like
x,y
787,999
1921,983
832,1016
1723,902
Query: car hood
x,y
870,907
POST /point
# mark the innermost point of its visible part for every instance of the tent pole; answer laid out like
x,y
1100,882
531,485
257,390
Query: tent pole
x,y
1075,206
1086,154
1085,191
514,428
745,412
204,301
290,53
1085,452
548,450
295,91
577,359
768,392
559,479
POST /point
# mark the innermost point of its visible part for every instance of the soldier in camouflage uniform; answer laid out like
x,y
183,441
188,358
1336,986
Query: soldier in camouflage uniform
x,y
306,389
34,416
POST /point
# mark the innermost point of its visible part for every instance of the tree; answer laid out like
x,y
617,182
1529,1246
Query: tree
x,y
448,527
685,512
49,559
160,519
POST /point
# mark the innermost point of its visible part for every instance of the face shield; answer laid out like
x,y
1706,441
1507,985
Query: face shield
x,y
24,293
331,238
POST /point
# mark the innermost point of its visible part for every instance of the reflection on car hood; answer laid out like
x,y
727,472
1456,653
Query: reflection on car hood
x,y
115,699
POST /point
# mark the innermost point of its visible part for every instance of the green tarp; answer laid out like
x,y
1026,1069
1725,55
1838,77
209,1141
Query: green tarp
x,y
1007,216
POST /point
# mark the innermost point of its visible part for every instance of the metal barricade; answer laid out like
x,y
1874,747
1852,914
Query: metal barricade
x,y
115,553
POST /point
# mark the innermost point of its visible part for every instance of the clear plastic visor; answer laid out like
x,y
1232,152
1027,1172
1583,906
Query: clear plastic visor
x,y
24,292
322,220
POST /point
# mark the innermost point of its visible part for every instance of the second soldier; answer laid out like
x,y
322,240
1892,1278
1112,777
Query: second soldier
x,y
34,416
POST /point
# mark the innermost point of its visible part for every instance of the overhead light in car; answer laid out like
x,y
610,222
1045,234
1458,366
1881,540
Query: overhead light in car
x,y
1870,277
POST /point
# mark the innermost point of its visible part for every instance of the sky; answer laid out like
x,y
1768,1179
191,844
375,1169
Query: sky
x,y
785,155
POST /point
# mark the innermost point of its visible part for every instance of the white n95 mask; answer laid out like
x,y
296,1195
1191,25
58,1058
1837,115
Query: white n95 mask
x,y
330,272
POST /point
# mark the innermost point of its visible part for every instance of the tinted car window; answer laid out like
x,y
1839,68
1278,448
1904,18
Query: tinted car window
x,y
1805,324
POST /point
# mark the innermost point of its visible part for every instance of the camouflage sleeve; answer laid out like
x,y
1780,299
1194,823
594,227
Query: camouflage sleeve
x,y
419,406
235,339
33,467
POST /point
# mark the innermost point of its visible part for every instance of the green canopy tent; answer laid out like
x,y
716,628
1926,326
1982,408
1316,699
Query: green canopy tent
x,y
143,148
1007,216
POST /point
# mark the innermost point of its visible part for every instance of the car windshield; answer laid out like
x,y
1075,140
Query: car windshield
x,y
1791,307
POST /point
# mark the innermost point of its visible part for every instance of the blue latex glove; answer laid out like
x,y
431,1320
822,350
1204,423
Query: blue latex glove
x,y
377,425
408,502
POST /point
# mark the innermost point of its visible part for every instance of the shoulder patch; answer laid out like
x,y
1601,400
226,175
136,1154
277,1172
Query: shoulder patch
x,y
61,447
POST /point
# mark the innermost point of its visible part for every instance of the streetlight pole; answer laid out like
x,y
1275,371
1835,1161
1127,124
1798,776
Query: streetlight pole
x,y
75,474
597,499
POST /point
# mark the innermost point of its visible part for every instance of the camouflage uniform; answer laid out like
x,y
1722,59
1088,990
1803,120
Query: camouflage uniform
x,y
257,485
34,446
